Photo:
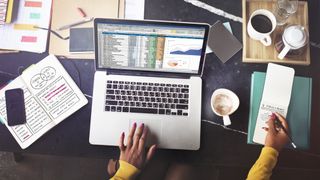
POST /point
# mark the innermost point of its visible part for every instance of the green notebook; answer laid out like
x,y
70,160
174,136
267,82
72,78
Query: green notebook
x,y
299,112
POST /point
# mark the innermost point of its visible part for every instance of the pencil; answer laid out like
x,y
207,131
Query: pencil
x,y
279,124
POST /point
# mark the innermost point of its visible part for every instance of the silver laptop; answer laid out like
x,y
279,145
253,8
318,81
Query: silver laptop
x,y
148,72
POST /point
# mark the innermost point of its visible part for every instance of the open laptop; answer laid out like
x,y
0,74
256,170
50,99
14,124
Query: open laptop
x,y
148,72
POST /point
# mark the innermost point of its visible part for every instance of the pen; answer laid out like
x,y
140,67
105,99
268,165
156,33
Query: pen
x,y
85,20
53,32
82,13
279,124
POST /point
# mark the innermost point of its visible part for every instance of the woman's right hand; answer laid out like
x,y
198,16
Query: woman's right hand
x,y
276,139
135,153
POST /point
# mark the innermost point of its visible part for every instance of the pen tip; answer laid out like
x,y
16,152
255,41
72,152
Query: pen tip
x,y
294,146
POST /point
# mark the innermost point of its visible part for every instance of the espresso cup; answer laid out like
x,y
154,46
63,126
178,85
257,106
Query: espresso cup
x,y
223,103
294,37
261,24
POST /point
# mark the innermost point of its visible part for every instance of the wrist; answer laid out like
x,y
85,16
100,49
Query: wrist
x,y
274,147
127,170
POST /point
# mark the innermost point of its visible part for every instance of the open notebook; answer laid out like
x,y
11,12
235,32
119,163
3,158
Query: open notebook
x,y
50,97
276,97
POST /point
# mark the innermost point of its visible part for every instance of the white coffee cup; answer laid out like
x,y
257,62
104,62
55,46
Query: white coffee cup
x,y
223,103
267,20
294,37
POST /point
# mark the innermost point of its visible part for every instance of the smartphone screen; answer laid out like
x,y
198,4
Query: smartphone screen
x,y
16,114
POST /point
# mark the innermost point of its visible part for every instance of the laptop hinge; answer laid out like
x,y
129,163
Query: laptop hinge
x,y
153,74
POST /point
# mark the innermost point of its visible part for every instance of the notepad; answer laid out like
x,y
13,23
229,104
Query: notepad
x,y
299,112
50,97
222,42
276,97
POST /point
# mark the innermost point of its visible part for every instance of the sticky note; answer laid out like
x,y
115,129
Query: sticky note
x,y
28,27
29,39
33,4
34,15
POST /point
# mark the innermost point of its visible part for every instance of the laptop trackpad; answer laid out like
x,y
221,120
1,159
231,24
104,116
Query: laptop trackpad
x,y
154,130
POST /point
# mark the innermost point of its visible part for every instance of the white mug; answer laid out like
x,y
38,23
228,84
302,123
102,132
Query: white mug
x,y
263,37
294,37
223,103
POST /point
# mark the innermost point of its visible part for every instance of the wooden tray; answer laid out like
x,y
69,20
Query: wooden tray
x,y
255,52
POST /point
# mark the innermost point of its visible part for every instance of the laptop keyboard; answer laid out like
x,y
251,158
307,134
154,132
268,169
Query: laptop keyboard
x,y
143,97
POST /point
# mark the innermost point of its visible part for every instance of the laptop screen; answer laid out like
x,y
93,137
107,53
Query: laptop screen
x,y
150,46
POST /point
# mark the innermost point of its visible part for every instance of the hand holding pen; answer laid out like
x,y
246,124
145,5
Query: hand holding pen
x,y
277,137
279,126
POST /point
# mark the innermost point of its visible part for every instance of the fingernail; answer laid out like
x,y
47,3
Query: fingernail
x,y
135,124
142,124
122,134
273,116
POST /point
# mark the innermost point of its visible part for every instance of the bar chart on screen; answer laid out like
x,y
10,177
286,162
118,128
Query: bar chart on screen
x,y
21,33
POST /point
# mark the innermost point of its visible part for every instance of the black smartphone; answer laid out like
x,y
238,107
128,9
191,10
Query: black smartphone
x,y
16,113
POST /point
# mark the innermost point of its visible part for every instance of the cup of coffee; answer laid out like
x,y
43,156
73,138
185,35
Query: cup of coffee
x,y
261,24
294,37
223,103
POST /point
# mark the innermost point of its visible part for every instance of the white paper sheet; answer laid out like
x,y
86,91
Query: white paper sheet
x,y
134,9
20,34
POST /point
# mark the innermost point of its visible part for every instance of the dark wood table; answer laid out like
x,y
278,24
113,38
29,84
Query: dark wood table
x,y
218,145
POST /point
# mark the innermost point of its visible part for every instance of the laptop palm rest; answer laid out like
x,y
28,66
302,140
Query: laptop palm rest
x,y
154,129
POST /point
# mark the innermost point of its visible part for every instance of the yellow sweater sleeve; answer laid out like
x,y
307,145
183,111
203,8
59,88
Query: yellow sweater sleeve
x,y
263,167
126,171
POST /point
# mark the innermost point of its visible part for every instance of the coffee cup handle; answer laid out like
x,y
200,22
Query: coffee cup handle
x,y
284,52
226,120
266,41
